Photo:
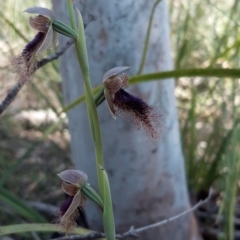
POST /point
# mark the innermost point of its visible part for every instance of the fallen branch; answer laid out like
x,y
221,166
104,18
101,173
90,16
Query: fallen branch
x,y
10,97
56,55
132,232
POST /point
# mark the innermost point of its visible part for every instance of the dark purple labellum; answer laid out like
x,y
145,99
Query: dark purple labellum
x,y
65,205
128,102
143,116
33,45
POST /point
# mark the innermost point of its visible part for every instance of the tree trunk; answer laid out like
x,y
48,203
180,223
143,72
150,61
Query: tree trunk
x,y
147,178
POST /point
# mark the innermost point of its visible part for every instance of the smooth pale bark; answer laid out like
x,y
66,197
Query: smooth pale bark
x,y
147,178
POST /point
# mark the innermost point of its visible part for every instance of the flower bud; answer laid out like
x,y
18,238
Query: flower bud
x,y
64,29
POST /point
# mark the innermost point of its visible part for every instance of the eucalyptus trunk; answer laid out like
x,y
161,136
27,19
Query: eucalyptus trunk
x,y
147,178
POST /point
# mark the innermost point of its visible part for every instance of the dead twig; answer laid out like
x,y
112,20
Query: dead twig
x,y
15,90
56,55
132,232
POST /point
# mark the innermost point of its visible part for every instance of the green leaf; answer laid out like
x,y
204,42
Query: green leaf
x,y
108,217
27,153
158,76
198,72
19,206
36,227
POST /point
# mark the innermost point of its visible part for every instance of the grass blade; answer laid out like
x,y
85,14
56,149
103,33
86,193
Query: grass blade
x,y
36,227
108,217
18,206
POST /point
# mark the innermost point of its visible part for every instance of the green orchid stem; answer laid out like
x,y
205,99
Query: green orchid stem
x,y
71,15
81,50
146,43
104,187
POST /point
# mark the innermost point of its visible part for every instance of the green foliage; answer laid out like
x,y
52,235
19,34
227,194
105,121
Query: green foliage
x,y
19,207
108,217
36,227
205,34
205,43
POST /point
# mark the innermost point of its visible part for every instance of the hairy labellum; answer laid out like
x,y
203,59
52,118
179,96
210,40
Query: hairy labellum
x,y
144,116
33,46
25,64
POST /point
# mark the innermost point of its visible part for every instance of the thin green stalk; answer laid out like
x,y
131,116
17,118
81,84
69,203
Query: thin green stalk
x,y
158,76
104,189
233,165
71,15
207,72
192,144
146,43
82,98
81,50
90,118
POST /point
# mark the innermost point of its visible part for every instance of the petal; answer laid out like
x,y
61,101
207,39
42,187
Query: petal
x,y
65,205
54,40
124,79
113,84
41,11
75,177
69,188
114,71
110,104
48,41
40,23
76,202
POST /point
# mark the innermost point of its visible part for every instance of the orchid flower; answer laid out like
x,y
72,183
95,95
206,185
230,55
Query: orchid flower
x,y
122,103
26,63
47,27
73,181
76,187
